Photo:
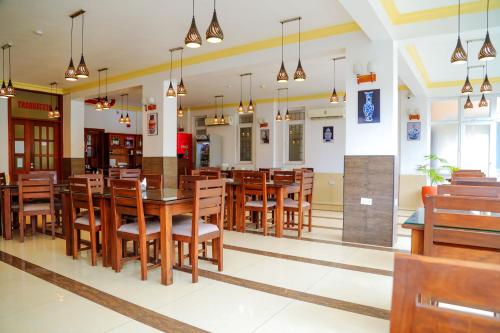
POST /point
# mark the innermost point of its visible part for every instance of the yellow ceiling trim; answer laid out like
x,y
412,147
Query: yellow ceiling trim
x,y
134,108
415,56
229,52
35,87
397,17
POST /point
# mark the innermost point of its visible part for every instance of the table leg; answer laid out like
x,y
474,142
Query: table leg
x,y
7,218
279,212
106,227
240,210
417,241
230,207
68,226
166,245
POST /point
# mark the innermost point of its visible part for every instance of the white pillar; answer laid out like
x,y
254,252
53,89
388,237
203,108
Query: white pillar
x,y
73,136
4,135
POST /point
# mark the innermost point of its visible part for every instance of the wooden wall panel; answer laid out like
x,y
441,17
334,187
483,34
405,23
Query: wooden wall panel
x,y
372,177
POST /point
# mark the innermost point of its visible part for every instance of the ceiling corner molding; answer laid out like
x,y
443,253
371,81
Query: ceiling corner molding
x,y
36,87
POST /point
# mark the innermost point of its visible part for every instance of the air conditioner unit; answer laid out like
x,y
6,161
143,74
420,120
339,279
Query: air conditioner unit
x,y
326,113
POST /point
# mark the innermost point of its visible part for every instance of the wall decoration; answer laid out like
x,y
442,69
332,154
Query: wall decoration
x,y
153,124
264,136
369,106
328,134
413,130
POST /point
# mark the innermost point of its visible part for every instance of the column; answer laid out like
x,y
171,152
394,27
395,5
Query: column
x,y
160,151
4,135
371,169
73,136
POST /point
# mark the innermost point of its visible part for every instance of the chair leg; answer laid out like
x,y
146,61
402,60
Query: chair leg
x,y
204,249
143,253
194,261
93,248
309,217
44,223
118,258
180,253
264,222
22,226
76,244
300,223
220,255
53,227
33,224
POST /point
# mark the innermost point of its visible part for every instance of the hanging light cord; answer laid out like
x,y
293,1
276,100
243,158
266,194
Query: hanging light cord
x,y
286,99
193,8
214,4
106,83
71,43
250,86
10,76
487,14
83,24
299,37
458,18
182,52
334,82
468,58
3,64
282,41
99,79
170,67
241,87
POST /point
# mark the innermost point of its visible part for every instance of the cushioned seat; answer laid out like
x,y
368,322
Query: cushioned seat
x,y
184,228
259,203
294,203
84,219
133,228
32,207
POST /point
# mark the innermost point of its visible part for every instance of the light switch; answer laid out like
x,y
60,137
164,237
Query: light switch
x,y
331,182
366,201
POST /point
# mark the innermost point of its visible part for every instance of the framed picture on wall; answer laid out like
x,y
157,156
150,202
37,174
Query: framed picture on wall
x,y
153,124
327,134
264,136
369,106
413,130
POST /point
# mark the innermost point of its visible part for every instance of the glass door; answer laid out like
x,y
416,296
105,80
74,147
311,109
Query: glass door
x,y
44,148
476,147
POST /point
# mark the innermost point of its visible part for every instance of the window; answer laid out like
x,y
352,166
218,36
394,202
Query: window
x,y
294,136
199,126
245,137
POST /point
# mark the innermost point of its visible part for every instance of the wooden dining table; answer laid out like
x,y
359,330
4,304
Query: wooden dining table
x,y
163,203
7,193
278,190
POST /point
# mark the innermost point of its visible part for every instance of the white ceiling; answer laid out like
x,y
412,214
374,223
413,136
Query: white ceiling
x,y
409,6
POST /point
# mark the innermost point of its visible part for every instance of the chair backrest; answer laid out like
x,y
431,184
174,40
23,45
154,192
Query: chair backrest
x,y
126,199
208,201
469,191
421,282
81,197
308,181
154,182
475,179
254,183
283,176
96,181
475,183
114,173
462,228
3,180
130,174
51,173
188,182
35,187
467,174
211,174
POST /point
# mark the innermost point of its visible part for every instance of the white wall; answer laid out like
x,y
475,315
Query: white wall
x,y
4,136
108,120
73,127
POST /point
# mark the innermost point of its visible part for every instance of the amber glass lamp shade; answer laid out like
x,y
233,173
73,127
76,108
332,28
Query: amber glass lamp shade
x,y
181,89
467,87
250,108
483,102
82,71
70,74
299,75
214,32
468,104
105,103
459,56
170,91
278,116
487,51
282,74
98,105
486,86
3,90
193,37
334,99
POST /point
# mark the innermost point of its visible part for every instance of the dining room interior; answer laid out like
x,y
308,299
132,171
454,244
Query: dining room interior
x,y
250,166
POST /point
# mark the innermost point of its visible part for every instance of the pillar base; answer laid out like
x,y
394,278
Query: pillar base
x,y
72,166
162,165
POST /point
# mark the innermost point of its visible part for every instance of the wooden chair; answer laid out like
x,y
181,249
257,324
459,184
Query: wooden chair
x,y
189,182
469,191
130,174
89,220
467,174
96,181
154,182
283,176
126,199
253,184
302,203
36,187
474,179
462,228
211,174
208,201
50,173
422,282
475,183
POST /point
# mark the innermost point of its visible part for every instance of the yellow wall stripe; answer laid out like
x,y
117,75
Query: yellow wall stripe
x,y
35,87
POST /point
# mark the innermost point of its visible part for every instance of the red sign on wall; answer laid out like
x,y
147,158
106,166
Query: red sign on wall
x,y
33,106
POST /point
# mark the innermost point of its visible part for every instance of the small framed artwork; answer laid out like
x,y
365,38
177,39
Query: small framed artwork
x,y
327,134
153,124
264,136
413,130
369,106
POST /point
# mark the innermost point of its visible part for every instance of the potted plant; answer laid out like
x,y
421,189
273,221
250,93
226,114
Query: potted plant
x,y
434,174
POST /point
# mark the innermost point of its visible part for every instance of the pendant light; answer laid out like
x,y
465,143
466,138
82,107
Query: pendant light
x,y
98,105
170,91
299,75
458,56
56,113
10,91
282,74
483,102
193,37
214,32
241,109
181,89
345,97
334,99
122,118
468,104
287,114
486,85
250,107
222,120
3,89
50,114
467,87
216,120
278,116
487,51
82,71
180,112
70,74
127,118
105,102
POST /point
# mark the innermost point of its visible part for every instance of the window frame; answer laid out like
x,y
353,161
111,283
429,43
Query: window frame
x,y
238,139
286,137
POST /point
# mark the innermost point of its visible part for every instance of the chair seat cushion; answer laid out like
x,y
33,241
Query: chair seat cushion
x,y
290,203
133,228
32,207
184,228
84,219
260,203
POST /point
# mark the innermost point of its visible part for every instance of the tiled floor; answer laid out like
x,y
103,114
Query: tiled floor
x,y
257,292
